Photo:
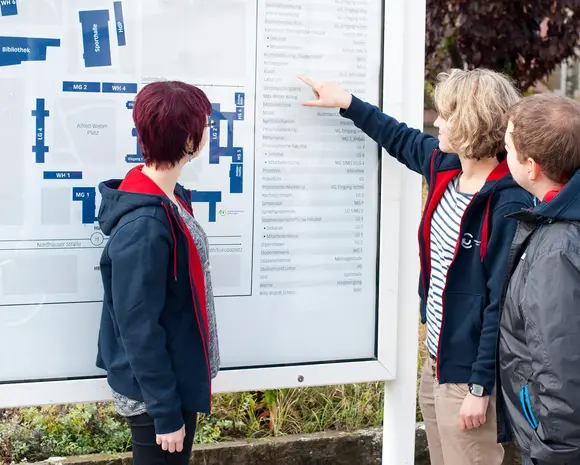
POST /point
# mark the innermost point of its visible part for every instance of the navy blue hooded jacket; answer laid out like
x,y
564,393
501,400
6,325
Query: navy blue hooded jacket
x,y
153,339
467,344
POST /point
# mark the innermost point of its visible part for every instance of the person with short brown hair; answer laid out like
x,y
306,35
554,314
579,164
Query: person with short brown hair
x,y
545,129
539,339
158,339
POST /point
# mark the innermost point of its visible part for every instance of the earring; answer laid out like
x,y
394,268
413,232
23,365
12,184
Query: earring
x,y
190,153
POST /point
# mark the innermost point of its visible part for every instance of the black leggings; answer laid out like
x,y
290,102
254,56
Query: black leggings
x,y
146,451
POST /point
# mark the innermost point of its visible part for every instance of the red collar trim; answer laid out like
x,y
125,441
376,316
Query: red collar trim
x,y
499,171
136,181
550,195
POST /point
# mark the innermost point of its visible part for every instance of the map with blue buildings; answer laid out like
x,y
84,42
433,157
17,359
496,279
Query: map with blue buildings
x,y
216,153
232,155
287,195
77,129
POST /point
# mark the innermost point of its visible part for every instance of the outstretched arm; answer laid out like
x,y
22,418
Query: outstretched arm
x,y
409,146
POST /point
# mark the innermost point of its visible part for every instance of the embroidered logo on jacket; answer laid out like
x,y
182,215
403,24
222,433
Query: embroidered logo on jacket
x,y
467,242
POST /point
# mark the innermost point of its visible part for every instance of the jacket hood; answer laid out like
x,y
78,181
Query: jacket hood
x,y
499,179
565,205
121,196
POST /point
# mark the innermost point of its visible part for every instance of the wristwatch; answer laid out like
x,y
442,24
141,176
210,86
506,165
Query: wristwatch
x,y
477,390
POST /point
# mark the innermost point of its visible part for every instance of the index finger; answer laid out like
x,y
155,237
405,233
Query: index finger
x,y
305,80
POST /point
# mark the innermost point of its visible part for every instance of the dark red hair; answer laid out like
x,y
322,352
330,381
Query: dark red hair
x,y
166,113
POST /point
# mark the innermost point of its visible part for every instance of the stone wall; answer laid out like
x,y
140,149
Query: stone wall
x,y
358,448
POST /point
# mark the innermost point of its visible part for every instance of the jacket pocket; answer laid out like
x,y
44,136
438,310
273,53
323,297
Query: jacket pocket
x,y
526,405
461,329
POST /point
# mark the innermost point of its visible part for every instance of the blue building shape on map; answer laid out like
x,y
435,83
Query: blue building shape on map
x,y
119,24
40,113
15,50
8,7
135,157
138,156
236,178
62,175
96,41
86,195
216,152
211,197
81,86
119,87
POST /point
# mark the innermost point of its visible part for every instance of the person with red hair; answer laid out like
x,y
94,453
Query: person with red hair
x,y
158,339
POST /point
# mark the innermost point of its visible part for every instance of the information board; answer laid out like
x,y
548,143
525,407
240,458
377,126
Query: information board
x,y
291,197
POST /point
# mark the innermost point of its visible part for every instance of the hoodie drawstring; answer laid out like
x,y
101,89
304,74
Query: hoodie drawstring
x,y
485,230
174,241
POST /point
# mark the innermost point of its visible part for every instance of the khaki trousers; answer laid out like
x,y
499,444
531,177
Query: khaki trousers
x,y
448,445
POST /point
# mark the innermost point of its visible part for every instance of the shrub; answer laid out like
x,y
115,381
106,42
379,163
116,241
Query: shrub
x,y
36,433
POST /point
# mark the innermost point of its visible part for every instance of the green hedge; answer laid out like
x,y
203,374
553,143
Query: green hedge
x,y
34,434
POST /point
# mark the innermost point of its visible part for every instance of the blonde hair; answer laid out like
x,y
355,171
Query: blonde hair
x,y
474,104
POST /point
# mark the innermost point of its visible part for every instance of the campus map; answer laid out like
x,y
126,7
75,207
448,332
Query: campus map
x,y
287,195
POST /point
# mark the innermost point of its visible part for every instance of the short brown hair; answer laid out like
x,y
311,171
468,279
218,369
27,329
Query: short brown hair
x,y
474,104
547,130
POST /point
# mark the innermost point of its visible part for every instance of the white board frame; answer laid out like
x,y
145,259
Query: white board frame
x,y
398,268
406,103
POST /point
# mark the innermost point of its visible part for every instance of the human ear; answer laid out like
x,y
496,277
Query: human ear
x,y
534,169
188,145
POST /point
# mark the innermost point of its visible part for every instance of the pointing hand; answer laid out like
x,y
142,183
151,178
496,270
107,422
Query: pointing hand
x,y
329,94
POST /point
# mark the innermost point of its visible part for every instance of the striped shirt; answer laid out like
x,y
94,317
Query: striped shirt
x,y
445,226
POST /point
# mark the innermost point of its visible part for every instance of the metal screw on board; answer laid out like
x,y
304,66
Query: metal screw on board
x,y
300,378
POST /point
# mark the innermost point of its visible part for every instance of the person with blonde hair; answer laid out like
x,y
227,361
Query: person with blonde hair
x,y
464,241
